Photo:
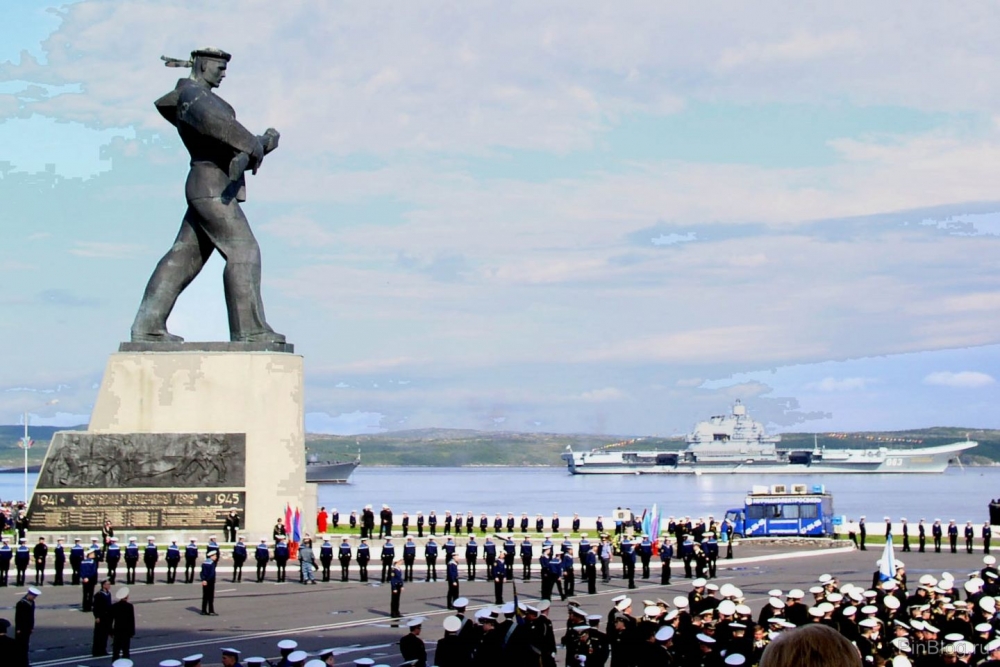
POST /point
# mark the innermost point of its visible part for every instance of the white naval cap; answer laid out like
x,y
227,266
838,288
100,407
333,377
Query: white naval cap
x,y
735,659
288,644
34,591
364,662
297,656
665,633
315,662
163,663
461,603
192,660
452,624
416,622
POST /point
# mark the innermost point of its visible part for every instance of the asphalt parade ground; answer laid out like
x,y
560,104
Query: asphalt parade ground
x,y
354,617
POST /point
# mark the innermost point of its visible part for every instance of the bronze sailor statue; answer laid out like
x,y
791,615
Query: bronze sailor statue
x,y
221,150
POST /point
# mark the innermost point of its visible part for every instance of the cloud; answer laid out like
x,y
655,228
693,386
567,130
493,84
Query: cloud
x,y
65,298
346,423
102,250
843,384
959,380
602,395
799,47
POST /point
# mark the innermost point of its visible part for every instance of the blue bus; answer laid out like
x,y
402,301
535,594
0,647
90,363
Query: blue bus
x,y
784,510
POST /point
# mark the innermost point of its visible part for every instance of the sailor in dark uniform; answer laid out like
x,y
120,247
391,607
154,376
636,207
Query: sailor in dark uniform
x,y
471,554
497,523
388,555
363,556
6,555
483,523
22,557
239,558
510,522
937,532
431,556
150,556
539,524
421,521
666,553
40,553
88,579
970,534
451,576
569,573
173,558
711,548
555,522
262,554
600,525
953,536
645,551
190,560
76,554
432,522
987,535
862,532
556,575
590,570
409,558
687,555
24,625
527,553
412,646
102,620
906,535
524,522
576,523
326,557
131,560
921,536
498,573
510,549
207,577
396,590
628,561
405,524
489,554
59,554
344,556
281,556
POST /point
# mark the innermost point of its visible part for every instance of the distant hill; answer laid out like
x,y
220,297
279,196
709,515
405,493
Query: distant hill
x,y
453,447
461,447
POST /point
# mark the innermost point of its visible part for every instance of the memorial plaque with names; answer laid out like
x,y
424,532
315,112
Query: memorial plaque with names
x,y
140,510
142,481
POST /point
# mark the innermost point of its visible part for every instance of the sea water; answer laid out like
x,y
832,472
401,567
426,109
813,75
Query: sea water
x,y
959,493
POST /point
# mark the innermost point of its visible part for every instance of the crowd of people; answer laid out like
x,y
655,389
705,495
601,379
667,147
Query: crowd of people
x,y
886,621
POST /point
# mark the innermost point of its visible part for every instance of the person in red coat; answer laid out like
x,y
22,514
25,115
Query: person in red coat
x,y
321,520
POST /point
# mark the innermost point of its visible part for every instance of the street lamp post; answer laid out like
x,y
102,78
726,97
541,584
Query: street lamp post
x,y
26,443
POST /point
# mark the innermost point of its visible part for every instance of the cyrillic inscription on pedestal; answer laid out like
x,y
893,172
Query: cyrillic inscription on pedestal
x,y
139,510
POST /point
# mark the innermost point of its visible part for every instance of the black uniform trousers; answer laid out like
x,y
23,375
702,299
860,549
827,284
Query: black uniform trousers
x,y
394,603
261,570
130,571
432,568
326,562
525,568
408,568
208,597
470,568
591,571
172,571
665,572
452,594
345,564
150,573
58,581
189,564
238,569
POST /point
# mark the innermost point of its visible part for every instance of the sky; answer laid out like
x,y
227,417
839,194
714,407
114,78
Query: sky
x,y
552,217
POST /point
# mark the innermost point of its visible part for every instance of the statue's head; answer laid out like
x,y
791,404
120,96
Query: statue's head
x,y
209,65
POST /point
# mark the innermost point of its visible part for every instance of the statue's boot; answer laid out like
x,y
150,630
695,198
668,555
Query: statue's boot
x,y
260,337
155,337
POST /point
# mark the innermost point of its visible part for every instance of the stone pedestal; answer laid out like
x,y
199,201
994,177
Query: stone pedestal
x,y
201,405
